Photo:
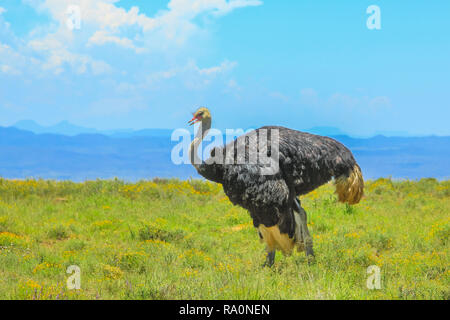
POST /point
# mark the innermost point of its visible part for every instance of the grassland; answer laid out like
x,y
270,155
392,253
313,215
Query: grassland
x,y
170,239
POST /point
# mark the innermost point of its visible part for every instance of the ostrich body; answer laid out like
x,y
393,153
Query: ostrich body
x,y
305,162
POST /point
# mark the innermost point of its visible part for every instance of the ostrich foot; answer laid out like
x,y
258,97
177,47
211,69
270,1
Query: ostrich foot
x,y
310,252
310,257
309,246
270,259
305,235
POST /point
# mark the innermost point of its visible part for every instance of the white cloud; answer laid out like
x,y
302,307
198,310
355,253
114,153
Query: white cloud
x,y
102,23
192,8
115,106
11,61
9,70
194,76
102,37
310,97
233,85
225,66
345,100
56,55
231,5
173,26
5,31
279,96
380,102
189,76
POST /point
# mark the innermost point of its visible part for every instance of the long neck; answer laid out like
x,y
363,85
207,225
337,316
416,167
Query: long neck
x,y
202,131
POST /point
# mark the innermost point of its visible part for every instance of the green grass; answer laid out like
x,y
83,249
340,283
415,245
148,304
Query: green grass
x,y
170,239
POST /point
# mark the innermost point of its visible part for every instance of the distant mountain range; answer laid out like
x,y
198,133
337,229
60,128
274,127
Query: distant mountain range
x,y
133,155
63,127
69,129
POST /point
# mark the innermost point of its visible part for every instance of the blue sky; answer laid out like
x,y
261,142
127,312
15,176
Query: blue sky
x,y
301,64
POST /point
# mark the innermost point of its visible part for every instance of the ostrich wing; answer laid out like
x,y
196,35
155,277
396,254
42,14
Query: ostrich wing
x,y
306,161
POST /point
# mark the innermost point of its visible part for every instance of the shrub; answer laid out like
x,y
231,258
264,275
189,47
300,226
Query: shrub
x,y
150,232
58,232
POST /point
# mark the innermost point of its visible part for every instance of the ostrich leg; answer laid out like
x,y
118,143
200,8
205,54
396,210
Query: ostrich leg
x,y
306,235
304,228
270,259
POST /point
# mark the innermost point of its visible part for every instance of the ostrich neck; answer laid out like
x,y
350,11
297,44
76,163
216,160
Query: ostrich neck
x,y
202,131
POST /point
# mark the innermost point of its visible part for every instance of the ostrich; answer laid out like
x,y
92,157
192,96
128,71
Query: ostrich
x,y
305,162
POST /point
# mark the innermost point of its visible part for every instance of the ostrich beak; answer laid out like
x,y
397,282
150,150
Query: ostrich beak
x,y
193,120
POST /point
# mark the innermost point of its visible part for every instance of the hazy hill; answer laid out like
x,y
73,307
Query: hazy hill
x,y
69,129
63,127
90,156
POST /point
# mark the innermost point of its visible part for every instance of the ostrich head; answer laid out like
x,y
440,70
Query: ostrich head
x,y
201,115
